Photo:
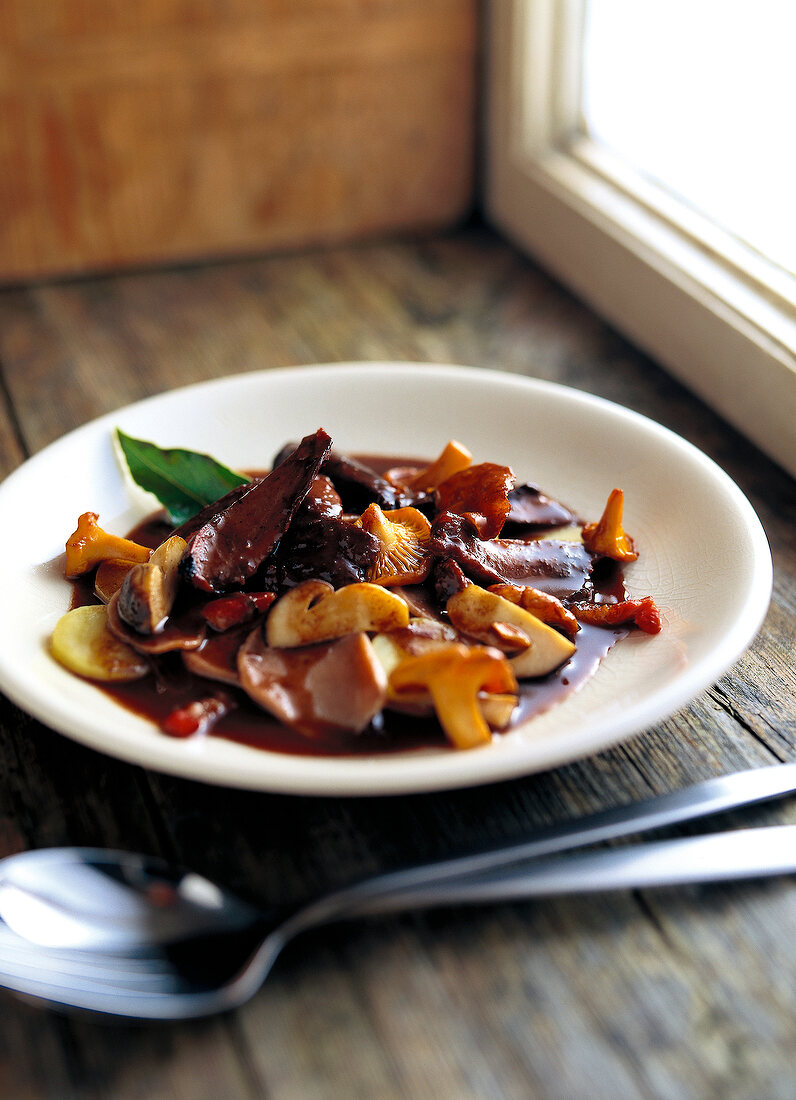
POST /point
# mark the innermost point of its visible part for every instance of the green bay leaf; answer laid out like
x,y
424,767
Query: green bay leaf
x,y
183,481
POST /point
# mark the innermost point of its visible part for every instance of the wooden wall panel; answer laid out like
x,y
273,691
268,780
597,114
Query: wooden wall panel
x,y
173,129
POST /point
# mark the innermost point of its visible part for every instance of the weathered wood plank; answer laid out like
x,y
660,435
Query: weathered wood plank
x,y
182,131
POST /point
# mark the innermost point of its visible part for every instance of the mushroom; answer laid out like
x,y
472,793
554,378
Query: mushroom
x,y
148,591
545,607
403,535
82,642
338,686
454,675
88,545
607,536
497,621
423,636
481,493
316,612
418,637
109,577
186,631
454,457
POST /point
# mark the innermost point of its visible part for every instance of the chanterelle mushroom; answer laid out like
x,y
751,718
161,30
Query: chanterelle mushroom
x,y
423,636
454,457
315,612
607,536
545,607
481,493
89,545
454,675
403,535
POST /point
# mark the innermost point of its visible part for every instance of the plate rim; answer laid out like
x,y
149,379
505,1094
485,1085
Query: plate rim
x,y
413,773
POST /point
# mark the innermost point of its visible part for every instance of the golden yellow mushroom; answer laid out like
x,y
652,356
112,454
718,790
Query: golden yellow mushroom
x,y
403,535
454,675
453,457
607,536
88,545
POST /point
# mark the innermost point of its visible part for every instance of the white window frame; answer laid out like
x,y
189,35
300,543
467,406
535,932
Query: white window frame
x,y
711,311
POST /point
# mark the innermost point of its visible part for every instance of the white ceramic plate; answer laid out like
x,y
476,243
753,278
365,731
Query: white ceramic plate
x,y
703,554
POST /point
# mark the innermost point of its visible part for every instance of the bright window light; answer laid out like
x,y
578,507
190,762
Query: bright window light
x,y
700,97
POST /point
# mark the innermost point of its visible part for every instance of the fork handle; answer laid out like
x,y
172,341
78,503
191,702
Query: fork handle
x,y
711,796
736,854
483,870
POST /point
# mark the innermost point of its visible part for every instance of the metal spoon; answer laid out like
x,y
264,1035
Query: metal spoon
x,y
125,934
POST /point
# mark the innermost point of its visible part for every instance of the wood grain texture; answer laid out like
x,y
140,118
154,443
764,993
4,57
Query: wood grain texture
x,y
676,994
168,130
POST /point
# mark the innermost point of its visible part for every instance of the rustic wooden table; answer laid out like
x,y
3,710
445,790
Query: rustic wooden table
x,y
671,993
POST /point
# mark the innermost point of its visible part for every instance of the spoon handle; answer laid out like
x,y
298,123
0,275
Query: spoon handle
x,y
736,854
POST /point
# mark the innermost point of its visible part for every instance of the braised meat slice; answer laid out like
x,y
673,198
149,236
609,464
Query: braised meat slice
x,y
551,565
231,546
530,507
322,499
360,486
210,511
448,579
324,546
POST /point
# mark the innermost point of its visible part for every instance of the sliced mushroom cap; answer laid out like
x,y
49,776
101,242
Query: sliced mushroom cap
x,y
315,612
109,577
182,632
148,591
496,621
335,686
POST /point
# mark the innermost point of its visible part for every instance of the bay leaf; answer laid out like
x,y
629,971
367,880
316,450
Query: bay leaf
x,y
183,481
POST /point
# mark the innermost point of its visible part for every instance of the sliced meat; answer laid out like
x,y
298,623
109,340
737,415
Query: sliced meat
x,y
551,565
360,486
231,546
325,547
322,499
302,687
530,507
